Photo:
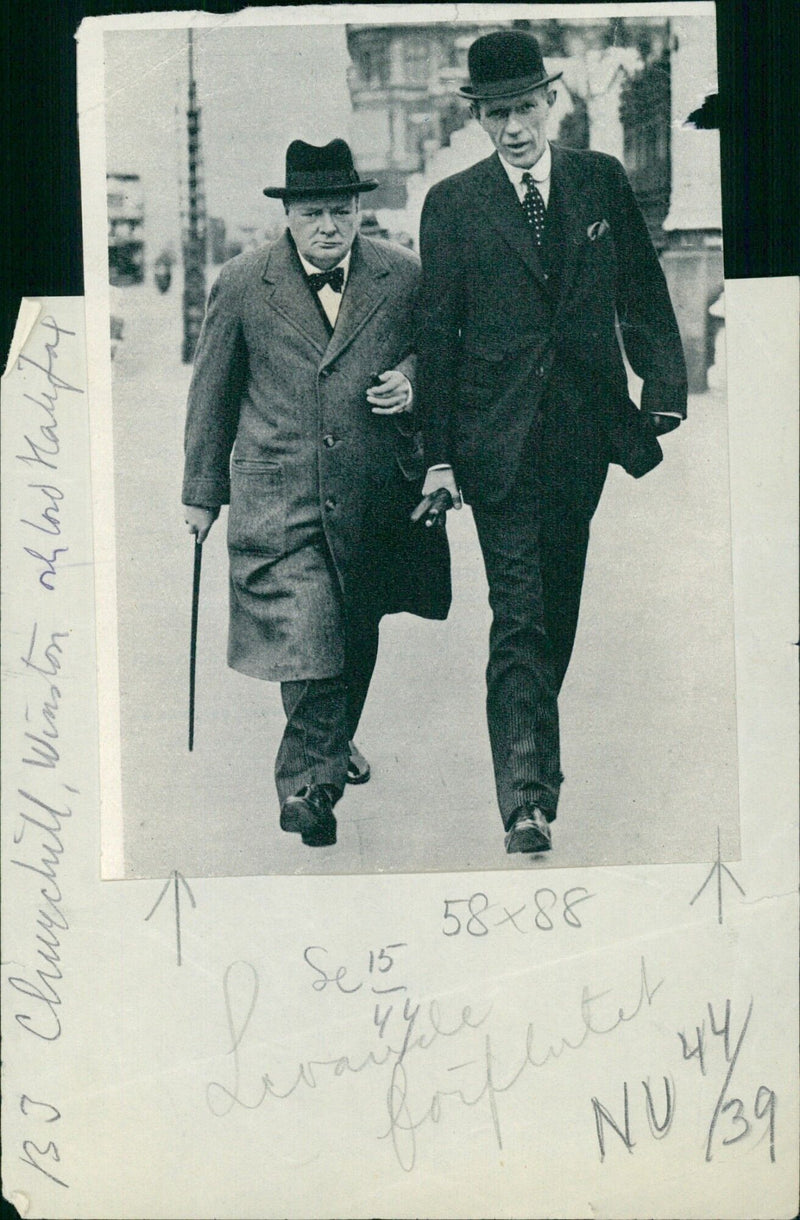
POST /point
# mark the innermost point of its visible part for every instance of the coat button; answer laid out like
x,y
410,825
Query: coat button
x,y
329,441
330,504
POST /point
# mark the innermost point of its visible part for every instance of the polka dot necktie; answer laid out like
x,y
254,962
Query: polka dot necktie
x,y
533,206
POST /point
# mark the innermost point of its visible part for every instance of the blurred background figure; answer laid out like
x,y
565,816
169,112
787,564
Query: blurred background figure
x,y
162,270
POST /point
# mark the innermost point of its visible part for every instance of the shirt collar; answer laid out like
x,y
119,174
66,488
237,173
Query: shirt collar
x,y
540,171
310,269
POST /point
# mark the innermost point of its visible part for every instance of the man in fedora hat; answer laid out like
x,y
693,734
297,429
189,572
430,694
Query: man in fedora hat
x,y
533,262
300,417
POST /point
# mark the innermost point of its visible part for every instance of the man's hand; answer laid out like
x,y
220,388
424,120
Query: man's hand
x,y
433,509
392,396
442,476
439,494
199,520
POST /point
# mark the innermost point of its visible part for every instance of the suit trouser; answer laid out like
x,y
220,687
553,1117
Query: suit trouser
x,y
313,748
521,682
314,745
563,542
534,552
322,714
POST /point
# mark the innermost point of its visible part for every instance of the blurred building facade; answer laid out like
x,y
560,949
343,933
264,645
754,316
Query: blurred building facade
x,y
125,209
628,85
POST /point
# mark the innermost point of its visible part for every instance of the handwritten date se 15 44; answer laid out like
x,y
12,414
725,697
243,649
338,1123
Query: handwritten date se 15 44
x,y
380,963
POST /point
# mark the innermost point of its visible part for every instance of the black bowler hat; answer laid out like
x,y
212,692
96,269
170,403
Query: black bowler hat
x,y
504,64
328,170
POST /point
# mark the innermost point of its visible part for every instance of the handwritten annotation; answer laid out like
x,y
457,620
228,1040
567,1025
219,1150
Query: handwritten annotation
x,y
476,916
405,1032
41,454
39,837
44,811
42,818
730,1119
39,834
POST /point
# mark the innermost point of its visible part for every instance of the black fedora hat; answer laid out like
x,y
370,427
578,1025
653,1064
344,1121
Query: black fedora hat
x,y
504,64
327,170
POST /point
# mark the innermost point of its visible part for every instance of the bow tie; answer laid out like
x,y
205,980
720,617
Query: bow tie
x,y
334,277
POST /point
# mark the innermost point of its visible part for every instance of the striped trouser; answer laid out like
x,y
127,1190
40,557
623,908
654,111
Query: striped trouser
x,y
521,680
322,714
314,746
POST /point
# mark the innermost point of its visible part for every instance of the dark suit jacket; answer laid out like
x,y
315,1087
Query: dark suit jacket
x,y
501,342
278,425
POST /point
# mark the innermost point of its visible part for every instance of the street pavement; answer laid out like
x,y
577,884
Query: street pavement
x,y
648,722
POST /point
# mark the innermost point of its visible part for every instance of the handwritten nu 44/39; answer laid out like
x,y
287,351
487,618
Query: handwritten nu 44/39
x,y
733,1118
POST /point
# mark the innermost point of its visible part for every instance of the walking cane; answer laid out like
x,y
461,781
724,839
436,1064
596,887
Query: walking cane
x,y
198,559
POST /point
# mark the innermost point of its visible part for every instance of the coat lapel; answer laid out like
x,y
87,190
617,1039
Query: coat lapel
x,y
366,288
290,295
502,207
569,195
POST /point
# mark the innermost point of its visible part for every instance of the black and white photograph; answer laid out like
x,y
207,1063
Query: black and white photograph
x,y
399,619
416,473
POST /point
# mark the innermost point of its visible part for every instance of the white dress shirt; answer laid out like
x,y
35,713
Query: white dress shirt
x,y
329,300
540,172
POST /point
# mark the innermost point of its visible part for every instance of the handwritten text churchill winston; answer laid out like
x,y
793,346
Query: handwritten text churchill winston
x,y
43,798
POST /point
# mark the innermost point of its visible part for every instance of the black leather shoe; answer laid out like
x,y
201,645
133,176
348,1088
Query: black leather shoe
x,y
529,831
358,769
309,813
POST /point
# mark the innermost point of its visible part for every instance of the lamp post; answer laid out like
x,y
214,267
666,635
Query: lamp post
x,y
194,243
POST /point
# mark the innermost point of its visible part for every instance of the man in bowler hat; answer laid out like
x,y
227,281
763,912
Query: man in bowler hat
x,y
301,417
533,262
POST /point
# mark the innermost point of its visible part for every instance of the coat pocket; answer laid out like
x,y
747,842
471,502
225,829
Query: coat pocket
x,y
257,514
490,358
482,372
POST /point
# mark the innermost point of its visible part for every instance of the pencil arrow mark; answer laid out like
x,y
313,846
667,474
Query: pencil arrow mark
x,y
176,880
717,869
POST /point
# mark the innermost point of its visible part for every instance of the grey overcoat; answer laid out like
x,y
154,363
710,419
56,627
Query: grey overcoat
x,y
278,426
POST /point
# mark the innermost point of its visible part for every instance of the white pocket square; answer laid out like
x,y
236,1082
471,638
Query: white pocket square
x,y
597,229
